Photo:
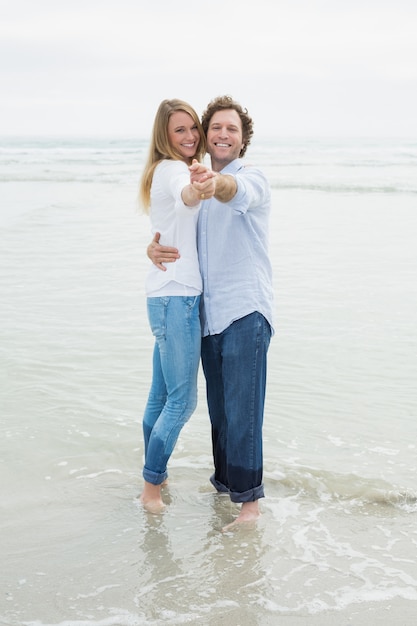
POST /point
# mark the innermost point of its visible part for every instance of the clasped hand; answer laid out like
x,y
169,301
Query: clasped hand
x,y
203,179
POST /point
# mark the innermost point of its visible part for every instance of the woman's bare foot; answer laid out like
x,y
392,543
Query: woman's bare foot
x,y
248,513
151,498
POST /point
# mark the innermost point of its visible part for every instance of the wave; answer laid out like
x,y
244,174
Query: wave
x,y
126,175
346,488
349,188
68,178
325,167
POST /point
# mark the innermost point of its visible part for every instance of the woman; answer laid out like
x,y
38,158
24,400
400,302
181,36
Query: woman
x,y
173,296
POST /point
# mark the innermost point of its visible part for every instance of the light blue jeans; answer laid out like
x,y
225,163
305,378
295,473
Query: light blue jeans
x,y
175,324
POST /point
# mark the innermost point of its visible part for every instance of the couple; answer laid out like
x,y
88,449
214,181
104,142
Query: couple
x,y
225,211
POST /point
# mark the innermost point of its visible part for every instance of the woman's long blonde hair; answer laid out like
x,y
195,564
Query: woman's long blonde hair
x,y
160,147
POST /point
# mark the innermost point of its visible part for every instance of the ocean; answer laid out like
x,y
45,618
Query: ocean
x,y
337,540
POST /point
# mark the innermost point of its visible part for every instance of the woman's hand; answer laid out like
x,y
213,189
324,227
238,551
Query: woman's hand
x,y
199,172
202,179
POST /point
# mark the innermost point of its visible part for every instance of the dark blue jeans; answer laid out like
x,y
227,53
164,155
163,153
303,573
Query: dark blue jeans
x,y
235,364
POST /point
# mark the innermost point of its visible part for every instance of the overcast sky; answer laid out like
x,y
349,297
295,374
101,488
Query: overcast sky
x,y
301,67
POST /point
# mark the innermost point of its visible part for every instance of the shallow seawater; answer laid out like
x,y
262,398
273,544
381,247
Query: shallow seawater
x,y
337,530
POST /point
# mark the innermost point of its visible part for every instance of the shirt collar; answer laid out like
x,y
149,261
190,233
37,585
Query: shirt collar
x,y
232,167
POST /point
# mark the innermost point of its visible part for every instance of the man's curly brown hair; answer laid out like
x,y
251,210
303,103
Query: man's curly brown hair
x,y
226,102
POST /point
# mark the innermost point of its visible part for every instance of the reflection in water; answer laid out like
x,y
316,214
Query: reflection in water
x,y
183,580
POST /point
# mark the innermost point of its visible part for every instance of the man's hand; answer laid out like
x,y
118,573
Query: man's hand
x,y
225,184
200,172
161,254
203,180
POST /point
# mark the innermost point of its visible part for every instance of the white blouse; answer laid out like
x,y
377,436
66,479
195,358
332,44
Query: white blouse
x,y
177,224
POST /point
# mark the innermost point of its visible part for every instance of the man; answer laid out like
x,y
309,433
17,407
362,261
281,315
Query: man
x,y
237,310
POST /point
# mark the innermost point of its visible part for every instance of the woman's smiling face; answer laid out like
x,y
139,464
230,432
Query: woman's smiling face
x,y
183,134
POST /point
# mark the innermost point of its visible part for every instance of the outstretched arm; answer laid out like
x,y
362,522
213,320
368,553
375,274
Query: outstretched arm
x,y
226,187
161,254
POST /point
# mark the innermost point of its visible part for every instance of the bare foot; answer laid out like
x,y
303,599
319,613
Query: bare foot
x,y
151,498
248,513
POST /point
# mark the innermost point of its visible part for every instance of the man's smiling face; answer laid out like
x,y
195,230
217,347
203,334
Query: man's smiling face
x,y
224,138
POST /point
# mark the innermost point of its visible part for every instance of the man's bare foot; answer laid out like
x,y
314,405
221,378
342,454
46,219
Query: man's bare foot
x,y
248,513
151,498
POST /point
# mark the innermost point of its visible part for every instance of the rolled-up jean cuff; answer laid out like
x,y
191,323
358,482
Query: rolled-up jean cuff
x,y
218,485
153,477
247,496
